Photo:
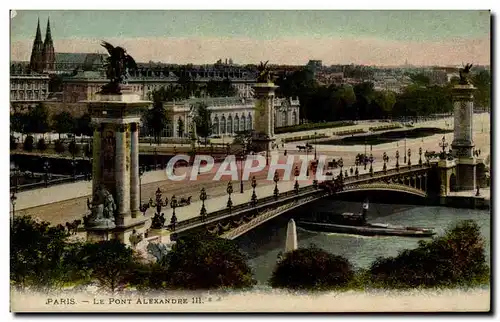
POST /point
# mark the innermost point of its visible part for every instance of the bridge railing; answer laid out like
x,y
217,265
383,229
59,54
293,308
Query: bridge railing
x,y
43,184
242,207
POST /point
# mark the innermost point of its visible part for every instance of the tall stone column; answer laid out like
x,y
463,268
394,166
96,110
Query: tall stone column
x,y
463,142
134,170
264,115
96,156
122,176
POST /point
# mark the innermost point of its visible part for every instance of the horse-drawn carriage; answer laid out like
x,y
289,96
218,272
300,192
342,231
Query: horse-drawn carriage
x,y
306,147
184,202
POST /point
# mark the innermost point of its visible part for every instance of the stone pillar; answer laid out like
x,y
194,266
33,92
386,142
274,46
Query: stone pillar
x,y
96,157
463,143
291,237
122,176
134,170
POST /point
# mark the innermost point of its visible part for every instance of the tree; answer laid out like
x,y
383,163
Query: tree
x,y
38,120
158,117
13,142
203,120
18,122
482,81
420,79
180,128
457,258
29,143
83,125
207,262
221,88
110,263
312,269
41,145
64,123
37,253
384,101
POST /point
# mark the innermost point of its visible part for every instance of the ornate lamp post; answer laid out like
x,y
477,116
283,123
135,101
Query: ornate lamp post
x,y
158,201
370,159
397,160
141,172
173,205
364,156
156,156
341,164
254,196
13,199
420,155
203,197
409,157
46,168
307,160
384,157
443,144
73,166
89,169
229,191
276,178
241,171
296,185
315,155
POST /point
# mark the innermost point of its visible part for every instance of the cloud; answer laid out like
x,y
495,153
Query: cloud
x,y
367,51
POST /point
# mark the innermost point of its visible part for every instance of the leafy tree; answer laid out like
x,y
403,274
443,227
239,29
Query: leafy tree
x,y
13,142
37,253
312,269
73,148
384,102
83,126
55,83
221,88
29,143
38,120
180,128
203,121
64,123
18,122
457,258
59,146
420,79
110,263
41,145
207,262
482,81
158,117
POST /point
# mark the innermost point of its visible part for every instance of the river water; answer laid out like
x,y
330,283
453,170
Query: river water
x,y
265,242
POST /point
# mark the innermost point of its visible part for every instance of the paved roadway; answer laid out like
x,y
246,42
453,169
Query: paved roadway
x,y
63,203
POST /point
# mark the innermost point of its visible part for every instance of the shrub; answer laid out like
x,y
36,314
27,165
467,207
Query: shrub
x,y
29,143
41,145
59,146
13,142
207,262
73,148
457,258
312,269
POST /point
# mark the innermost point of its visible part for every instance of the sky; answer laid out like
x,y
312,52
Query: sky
x,y
282,37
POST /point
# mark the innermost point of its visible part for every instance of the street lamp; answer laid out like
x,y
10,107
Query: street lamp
x,y
241,171
13,199
443,144
384,157
371,163
73,166
173,205
276,178
203,197
341,164
364,156
296,185
420,154
46,168
156,155
397,160
315,155
254,196
405,149
141,172
229,191
307,159
409,157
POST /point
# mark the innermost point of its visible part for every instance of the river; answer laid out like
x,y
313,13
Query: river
x,y
265,242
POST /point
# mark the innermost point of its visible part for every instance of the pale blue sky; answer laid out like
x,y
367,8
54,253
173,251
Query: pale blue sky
x,y
288,37
387,25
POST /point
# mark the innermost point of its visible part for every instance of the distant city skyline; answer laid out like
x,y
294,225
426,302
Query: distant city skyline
x,y
387,38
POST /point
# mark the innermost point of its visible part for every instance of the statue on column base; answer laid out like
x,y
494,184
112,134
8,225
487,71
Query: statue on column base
x,y
102,209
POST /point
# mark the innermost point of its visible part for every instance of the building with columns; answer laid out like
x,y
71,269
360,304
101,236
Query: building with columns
x,y
28,89
229,115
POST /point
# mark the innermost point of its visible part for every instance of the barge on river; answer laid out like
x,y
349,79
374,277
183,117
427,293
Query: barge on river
x,y
356,224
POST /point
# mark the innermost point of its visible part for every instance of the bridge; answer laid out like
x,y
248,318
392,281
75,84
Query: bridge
x,y
233,222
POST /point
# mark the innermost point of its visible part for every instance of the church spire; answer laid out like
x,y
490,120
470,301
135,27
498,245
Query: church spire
x,y
37,51
48,49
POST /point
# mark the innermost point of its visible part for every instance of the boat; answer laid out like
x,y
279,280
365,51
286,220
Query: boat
x,y
356,224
